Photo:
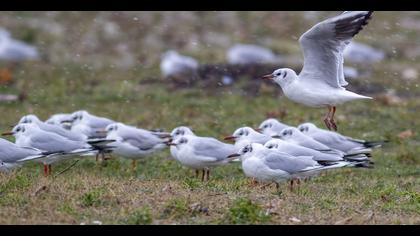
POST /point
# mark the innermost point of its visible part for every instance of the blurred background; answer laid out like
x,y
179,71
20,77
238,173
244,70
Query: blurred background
x,y
202,69
87,59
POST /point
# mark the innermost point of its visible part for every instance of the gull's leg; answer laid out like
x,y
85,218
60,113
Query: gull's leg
x,y
96,157
45,170
277,186
208,175
202,176
291,185
197,173
327,118
133,165
332,122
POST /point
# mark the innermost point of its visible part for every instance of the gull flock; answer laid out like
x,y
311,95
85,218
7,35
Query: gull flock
x,y
273,153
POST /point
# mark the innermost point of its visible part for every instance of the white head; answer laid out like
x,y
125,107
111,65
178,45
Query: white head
x,y
289,133
244,133
21,130
307,127
58,118
78,116
181,141
181,131
248,151
271,127
113,128
29,119
282,77
273,144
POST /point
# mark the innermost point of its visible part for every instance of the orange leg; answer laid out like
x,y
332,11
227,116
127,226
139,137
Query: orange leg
x,y
45,170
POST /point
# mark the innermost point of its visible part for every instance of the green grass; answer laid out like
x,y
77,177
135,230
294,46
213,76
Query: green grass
x,y
161,191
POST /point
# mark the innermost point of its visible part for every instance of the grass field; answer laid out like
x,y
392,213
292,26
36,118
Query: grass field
x,y
161,191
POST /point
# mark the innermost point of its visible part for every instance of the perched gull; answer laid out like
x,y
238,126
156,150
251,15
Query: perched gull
x,y
174,64
247,133
271,127
202,153
30,135
362,54
337,141
321,81
269,165
11,154
134,143
250,54
88,124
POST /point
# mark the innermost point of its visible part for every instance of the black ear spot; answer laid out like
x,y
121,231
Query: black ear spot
x,y
285,73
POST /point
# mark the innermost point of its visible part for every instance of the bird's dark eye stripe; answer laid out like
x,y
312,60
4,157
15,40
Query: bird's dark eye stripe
x,y
285,73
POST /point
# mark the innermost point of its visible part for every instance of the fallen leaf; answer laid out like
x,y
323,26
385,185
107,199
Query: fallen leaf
x,y
406,134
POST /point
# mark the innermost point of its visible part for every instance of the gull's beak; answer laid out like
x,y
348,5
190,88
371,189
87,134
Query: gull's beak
x,y
171,144
8,133
265,77
230,138
234,155
258,129
66,121
275,136
101,132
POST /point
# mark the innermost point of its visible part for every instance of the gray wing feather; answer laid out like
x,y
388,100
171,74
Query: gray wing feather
x,y
141,140
324,43
211,147
283,161
52,142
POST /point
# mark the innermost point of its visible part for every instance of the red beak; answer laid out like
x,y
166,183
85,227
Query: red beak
x,y
258,129
265,77
7,133
230,138
233,155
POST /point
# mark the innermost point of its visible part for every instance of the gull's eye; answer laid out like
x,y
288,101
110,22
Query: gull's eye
x,y
285,133
278,74
265,126
241,133
18,129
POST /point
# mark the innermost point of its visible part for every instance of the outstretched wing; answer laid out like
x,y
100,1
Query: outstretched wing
x,y
323,47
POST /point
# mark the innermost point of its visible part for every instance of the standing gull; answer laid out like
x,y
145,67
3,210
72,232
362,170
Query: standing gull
x,y
175,134
337,141
202,153
268,165
133,143
321,81
31,136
